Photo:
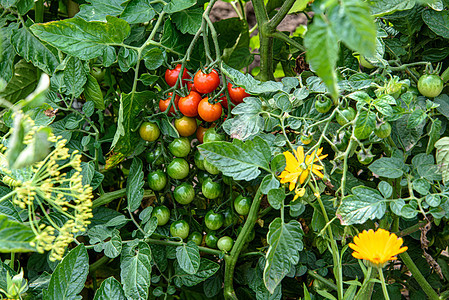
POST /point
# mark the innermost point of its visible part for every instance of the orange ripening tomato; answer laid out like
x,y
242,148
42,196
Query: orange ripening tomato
x,y
188,105
163,104
209,112
186,126
237,94
200,133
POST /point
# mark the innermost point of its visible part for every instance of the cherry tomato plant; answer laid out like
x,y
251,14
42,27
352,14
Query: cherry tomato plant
x,y
150,152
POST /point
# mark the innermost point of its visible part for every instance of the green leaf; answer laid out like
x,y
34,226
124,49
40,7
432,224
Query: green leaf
x,y
82,39
438,21
74,77
443,101
130,107
22,83
7,208
7,53
92,92
247,123
239,160
276,198
135,266
154,58
353,24
417,117
110,288
127,58
32,50
385,7
148,79
206,269
251,85
188,21
442,157
99,9
69,277
285,240
14,236
134,184
385,188
322,52
389,167
365,124
434,135
138,11
178,5
365,203
409,137
174,39
188,257
113,247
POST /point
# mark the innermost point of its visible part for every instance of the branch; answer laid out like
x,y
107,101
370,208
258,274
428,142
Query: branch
x,y
280,15
283,37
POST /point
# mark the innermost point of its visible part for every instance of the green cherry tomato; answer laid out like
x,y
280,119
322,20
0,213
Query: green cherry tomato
x,y
211,168
323,104
199,161
383,131
430,85
365,63
306,139
211,239
196,237
211,135
341,140
184,193
210,189
178,168
180,229
149,131
98,73
162,214
157,180
242,205
365,157
155,157
225,243
180,147
348,113
229,217
213,220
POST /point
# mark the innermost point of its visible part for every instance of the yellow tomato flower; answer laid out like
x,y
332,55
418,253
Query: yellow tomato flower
x,y
299,166
377,247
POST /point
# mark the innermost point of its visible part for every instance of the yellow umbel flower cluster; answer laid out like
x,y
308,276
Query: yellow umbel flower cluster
x,y
377,248
54,185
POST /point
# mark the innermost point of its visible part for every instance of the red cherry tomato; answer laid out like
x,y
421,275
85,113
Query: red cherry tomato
x,y
237,94
188,105
224,101
206,83
172,75
209,112
163,104
191,86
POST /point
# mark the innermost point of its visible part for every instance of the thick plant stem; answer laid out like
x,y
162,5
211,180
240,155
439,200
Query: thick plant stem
x,y
39,11
231,260
266,41
111,196
430,292
384,285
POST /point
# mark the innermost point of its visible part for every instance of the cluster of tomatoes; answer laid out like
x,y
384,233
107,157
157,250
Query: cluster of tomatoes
x,y
182,178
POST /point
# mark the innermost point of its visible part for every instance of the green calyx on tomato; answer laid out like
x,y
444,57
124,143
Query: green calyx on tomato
x,y
365,157
196,237
383,130
211,239
157,180
209,112
184,193
180,147
180,229
185,126
211,135
430,85
199,160
149,131
211,189
213,220
225,243
211,168
162,214
206,82
323,104
178,168
346,115
242,205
